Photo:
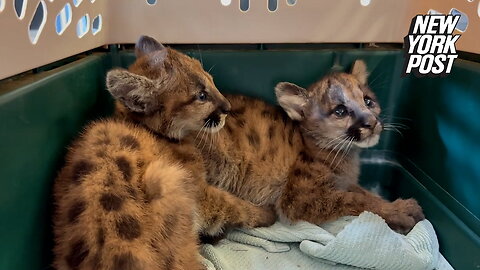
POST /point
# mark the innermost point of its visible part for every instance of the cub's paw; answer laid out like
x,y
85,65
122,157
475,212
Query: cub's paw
x,y
263,217
403,215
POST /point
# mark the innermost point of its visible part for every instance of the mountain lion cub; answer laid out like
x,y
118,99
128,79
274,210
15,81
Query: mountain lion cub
x,y
131,195
304,159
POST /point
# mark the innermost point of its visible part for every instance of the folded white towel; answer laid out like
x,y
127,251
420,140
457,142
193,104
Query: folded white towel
x,y
364,242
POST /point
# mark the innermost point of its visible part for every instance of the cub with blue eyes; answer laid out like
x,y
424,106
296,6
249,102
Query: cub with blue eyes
x,y
304,159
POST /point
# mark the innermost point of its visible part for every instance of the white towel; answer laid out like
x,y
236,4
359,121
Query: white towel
x,y
363,242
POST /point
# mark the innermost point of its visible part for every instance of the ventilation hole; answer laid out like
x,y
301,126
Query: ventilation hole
x,y
97,24
20,7
83,26
2,5
365,2
38,22
151,2
291,2
463,22
478,9
272,5
77,3
226,2
244,5
63,19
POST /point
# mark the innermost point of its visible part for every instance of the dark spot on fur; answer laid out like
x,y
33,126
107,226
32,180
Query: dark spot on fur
x,y
128,227
154,246
75,210
291,132
268,114
264,157
169,262
124,167
240,122
253,138
271,132
100,237
301,173
153,193
101,154
213,239
131,191
129,141
140,163
169,225
228,128
173,140
81,169
281,115
306,158
96,260
126,261
248,171
78,253
238,111
111,202
184,156
181,104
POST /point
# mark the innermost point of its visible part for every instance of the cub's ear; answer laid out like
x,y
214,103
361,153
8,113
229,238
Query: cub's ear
x,y
359,70
132,90
147,45
292,98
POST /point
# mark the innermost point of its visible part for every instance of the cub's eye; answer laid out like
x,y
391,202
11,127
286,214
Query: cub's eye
x,y
340,111
369,102
202,96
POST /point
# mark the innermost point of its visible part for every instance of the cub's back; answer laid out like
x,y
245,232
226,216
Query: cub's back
x,y
105,218
258,142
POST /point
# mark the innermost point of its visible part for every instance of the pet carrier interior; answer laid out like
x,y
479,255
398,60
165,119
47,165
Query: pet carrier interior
x,y
54,55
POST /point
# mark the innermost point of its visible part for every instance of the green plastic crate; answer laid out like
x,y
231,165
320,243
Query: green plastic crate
x,y
436,160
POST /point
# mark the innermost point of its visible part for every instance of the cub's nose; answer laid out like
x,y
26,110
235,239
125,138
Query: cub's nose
x,y
225,107
368,122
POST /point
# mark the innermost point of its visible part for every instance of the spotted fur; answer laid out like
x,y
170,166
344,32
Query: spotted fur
x,y
293,157
133,194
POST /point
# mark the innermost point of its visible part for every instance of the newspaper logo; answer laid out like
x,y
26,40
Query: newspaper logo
x,y
430,45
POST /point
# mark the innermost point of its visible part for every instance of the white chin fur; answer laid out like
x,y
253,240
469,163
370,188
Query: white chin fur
x,y
368,142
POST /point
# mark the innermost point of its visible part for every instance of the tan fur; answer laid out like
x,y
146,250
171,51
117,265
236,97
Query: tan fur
x,y
302,166
131,195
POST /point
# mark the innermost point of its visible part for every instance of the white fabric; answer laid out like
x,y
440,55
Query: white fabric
x,y
363,242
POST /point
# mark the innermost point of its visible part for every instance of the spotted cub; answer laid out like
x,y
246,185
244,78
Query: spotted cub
x,y
305,158
131,195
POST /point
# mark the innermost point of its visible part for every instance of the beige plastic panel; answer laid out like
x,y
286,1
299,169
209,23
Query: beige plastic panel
x,y
209,21
18,54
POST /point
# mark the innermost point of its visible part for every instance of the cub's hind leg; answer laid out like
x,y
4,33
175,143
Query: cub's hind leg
x,y
168,191
113,214
97,226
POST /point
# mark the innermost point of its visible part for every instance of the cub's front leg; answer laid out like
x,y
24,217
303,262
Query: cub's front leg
x,y
312,195
220,210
